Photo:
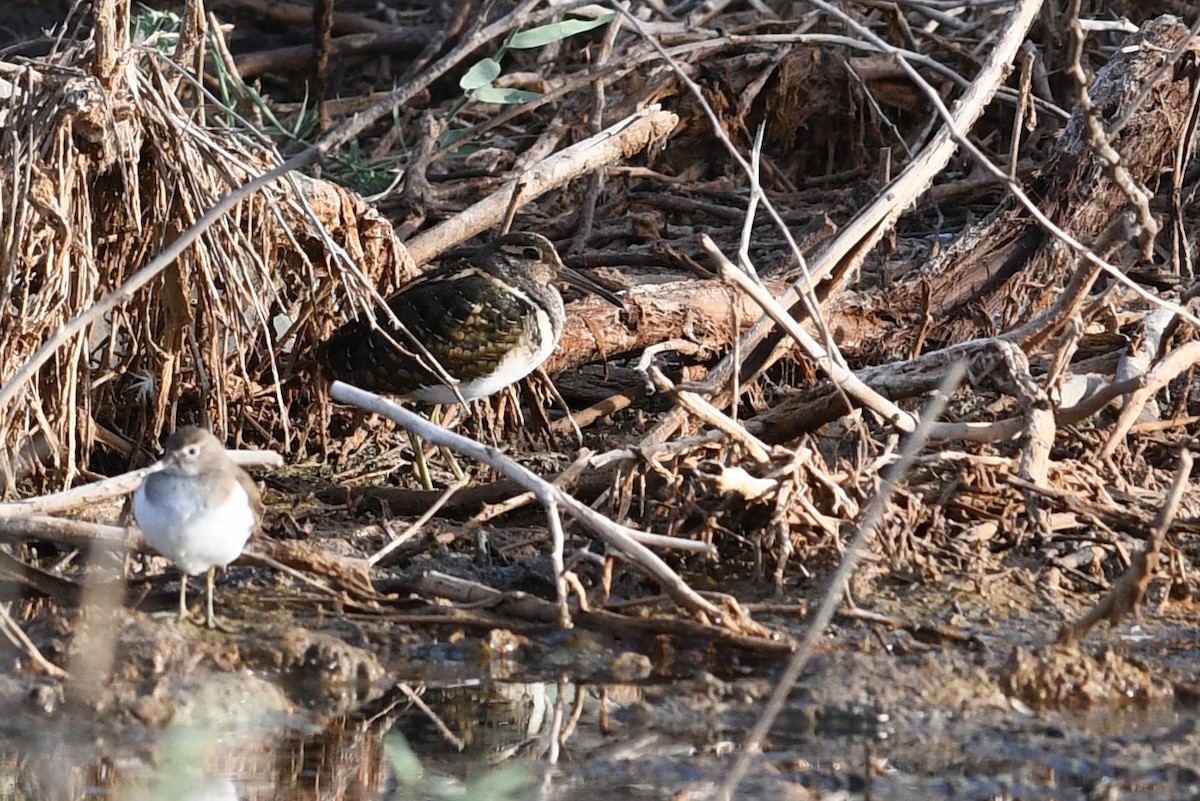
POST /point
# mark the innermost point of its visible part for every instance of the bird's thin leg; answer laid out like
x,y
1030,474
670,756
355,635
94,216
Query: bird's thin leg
x,y
418,448
455,467
182,596
210,619
447,454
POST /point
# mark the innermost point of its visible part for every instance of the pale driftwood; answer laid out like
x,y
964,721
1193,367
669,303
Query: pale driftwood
x,y
1038,413
1183,358
72,533
470,594
705,411
558,544
619,537
1134,364
731,479
87,495
1153,331
604,461
614,144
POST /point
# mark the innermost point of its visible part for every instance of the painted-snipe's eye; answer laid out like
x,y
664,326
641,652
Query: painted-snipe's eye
x,y
531,253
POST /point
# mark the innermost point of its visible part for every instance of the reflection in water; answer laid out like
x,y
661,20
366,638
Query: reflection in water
x,y
344,760
344,757
502,741
485,720
452,738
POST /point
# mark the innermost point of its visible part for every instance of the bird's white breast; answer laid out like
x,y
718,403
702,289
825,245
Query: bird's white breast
x,y
192,534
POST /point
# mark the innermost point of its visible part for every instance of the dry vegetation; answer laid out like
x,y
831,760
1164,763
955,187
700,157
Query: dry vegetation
x,y
932,194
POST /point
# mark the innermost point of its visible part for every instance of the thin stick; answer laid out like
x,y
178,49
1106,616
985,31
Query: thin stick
x,y
558,539
409,532
756,449
416,701
514,203
614,144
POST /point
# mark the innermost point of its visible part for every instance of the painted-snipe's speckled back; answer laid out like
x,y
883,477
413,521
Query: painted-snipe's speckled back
x,y
489,320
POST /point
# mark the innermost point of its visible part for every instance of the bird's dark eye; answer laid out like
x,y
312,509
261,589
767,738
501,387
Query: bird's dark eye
x,y
531,253
192,451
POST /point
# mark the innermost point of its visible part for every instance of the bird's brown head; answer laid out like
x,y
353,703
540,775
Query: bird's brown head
x,y
530,254
191,449
534,256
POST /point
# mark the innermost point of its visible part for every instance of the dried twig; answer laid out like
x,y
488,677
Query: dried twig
x,y
18,638
757,450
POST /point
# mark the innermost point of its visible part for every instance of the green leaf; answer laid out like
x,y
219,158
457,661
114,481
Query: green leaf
x,y
483,73
545,34
494,94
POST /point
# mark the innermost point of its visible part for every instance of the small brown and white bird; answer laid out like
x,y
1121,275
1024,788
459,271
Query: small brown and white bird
x,y
197,508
